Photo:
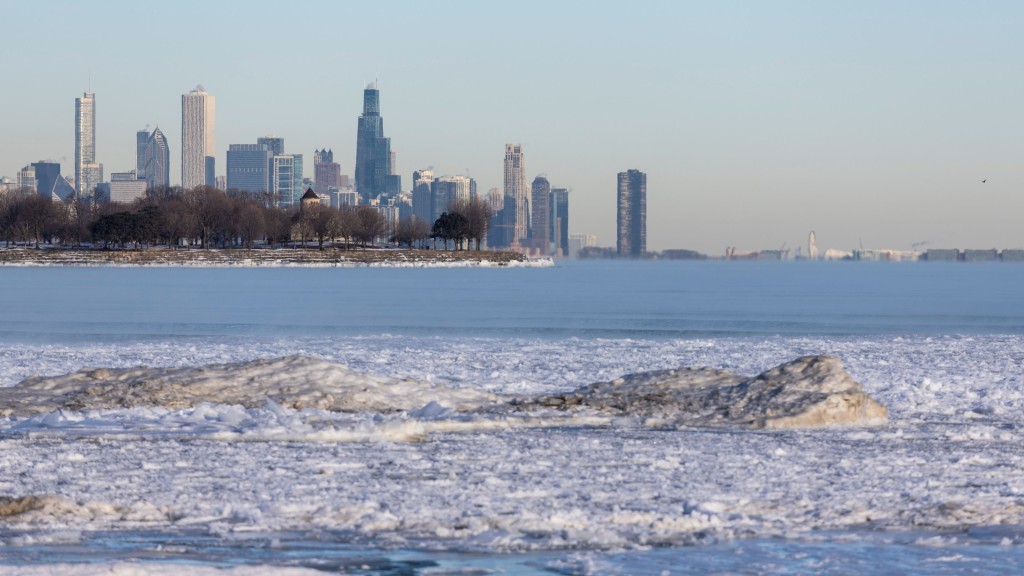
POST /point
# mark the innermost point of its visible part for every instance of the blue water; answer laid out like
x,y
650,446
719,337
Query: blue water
x,y
585,299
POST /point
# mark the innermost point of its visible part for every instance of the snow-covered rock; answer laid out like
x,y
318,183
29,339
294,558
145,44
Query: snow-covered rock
x,y
809,392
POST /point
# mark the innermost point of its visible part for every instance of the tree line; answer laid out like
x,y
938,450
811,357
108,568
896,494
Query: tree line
x,y
207,217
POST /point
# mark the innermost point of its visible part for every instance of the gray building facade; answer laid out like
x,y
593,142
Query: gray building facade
x,y
631,220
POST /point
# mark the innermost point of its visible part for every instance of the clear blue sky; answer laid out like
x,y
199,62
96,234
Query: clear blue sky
x,y
756,122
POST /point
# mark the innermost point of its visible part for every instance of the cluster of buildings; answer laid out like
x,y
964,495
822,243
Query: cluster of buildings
x,y
529,217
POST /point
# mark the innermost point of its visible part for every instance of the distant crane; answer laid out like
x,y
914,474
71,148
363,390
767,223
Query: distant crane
x,y
812,246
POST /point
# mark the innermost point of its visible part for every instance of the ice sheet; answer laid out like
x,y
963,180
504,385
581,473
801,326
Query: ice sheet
x,y
948,460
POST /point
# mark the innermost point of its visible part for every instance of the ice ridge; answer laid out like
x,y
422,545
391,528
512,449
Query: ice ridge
x,y
809,392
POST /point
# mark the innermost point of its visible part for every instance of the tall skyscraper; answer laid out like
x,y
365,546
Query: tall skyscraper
x,y
326,173
374,174
515,188
560,221
198,139
88,173
631,237
540,227
157,160
141,141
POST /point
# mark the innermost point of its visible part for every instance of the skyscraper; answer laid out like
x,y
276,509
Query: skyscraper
x,y
157,161
88,173
326,172
198,139
141,141
559,215
373,151
540,228
515,188
631,237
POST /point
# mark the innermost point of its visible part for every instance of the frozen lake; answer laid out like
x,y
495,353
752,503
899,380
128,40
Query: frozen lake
x,y
938,490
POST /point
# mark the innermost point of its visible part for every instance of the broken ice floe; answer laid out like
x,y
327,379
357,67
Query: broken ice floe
x,y
813,391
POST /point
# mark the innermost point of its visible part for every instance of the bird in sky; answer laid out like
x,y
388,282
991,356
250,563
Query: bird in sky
x,y
985,180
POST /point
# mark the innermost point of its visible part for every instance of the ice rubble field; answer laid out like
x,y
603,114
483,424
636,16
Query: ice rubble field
x,y
949,460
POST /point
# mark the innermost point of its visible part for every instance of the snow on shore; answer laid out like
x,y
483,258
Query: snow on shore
x,y
279,258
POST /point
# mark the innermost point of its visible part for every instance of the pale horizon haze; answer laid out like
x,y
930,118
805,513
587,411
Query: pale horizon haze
x,y
870,123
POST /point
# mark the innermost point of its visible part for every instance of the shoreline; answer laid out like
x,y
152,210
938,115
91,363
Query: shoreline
x,y
266,258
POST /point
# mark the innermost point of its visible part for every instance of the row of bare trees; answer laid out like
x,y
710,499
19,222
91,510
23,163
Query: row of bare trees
x,y
208,217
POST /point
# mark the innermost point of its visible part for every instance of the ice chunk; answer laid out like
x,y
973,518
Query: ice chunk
x,y
809,392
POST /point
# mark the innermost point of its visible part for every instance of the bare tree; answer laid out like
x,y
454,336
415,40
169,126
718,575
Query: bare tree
x,y
210,209
370,224
248,221
325,223
180,225
410,231
32,215
278,226
478,214
347,224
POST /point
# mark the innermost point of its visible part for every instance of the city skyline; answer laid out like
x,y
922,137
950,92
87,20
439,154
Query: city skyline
x,y
871,124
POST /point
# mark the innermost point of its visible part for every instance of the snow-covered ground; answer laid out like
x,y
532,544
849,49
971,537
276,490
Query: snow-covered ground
x,y
949,461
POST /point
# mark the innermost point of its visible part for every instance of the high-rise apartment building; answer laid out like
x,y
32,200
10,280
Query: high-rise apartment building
x,y
326,173
157,161
515,188
88,173
248,167
286,180
374,174
198,139
559,215
540,227
631,233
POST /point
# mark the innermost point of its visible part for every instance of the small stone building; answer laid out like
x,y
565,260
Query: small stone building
x,y
309,199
